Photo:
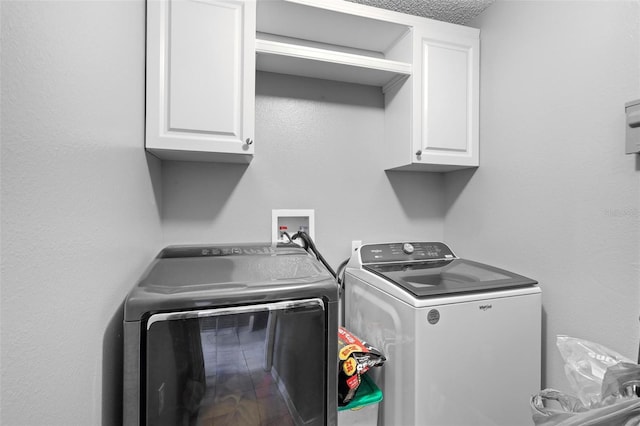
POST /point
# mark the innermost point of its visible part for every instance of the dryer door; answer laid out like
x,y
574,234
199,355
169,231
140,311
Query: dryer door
x,y
255,364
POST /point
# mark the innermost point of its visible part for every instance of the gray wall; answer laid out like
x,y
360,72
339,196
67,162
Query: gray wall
x,y
80,220
84,210
318,146
555,197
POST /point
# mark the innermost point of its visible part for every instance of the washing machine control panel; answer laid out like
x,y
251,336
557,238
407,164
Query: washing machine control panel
x,y
405,252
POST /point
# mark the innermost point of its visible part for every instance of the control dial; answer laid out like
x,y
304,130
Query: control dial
x,y
407,248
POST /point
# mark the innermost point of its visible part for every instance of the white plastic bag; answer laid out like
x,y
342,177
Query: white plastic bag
x,y
585,363
605,381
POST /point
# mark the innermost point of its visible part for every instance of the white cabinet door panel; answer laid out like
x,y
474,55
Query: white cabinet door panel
x,y
446,97
196,81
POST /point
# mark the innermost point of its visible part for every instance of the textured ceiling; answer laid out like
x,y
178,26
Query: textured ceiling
x,y
454,11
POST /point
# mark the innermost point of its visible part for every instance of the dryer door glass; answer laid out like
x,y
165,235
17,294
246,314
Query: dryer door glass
x,y
251,365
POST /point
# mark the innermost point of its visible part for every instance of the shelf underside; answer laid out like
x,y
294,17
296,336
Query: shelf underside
x,y
285,58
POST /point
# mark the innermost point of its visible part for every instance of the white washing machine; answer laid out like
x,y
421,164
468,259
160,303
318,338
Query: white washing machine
x,y
462,339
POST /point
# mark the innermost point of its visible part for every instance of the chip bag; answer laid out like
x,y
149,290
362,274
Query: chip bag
x,y
355,357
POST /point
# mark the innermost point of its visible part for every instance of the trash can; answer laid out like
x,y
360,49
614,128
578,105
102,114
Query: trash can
x,y
362,410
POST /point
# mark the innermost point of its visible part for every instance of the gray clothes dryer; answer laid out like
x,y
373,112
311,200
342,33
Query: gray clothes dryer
x,y
231,334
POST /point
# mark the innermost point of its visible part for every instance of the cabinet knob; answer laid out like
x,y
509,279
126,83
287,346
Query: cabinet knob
x,y
418,153
248,141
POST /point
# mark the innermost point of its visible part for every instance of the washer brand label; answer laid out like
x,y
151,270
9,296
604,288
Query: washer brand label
x,y
433,316
485,307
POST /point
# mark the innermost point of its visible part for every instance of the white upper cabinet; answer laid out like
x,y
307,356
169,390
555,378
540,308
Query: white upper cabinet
x,y
427,69
201,79
432,119
202,56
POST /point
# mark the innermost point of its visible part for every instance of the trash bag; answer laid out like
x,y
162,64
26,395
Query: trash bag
x,y
585,364
606,384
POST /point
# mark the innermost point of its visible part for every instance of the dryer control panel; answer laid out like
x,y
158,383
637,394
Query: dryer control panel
x,y
405,252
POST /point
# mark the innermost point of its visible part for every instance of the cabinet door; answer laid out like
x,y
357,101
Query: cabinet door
x,y
447,130
201,79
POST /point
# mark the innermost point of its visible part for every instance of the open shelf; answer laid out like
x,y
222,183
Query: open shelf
x,y
296,59
333,40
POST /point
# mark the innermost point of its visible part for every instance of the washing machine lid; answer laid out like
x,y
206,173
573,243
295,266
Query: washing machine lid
x,y
431,269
